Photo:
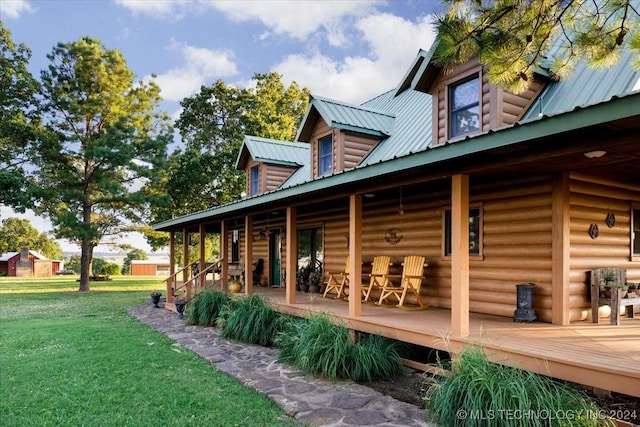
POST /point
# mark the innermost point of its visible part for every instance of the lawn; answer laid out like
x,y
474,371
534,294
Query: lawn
x,y
70,358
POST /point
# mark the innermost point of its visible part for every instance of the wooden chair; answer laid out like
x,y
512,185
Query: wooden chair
x,y
337,282
378,277
597,281
410,282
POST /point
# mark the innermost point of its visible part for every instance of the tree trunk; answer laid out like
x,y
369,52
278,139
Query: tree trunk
x,y
86,255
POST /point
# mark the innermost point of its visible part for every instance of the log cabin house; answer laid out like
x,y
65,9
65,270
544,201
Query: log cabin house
x,y
493,189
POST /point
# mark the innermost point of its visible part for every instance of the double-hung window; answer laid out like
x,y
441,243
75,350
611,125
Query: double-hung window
x,y
474,232
464,107
325,155
635,232
255,180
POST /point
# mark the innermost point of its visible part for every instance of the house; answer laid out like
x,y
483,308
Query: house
x,y
27,263
494,189
149,267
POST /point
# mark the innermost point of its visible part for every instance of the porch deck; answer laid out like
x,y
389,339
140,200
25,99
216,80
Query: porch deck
x,y
595,355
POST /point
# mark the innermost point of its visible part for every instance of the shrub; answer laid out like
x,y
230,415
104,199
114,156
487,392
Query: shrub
x,y
480,393
205,308
251,320
320,347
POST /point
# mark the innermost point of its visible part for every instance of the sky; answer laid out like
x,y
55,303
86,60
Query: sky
x,y
348,50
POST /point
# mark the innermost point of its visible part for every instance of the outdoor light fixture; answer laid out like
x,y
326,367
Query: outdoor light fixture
x,y
595,154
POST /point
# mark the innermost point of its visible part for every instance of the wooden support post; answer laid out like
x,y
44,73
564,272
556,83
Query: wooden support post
x,y
224,255
172,264
355,255
291,267
460,255
560,250
185,255
248,255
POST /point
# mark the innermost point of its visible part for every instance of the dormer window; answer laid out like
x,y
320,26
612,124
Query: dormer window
x,y
325,155
464,107
255,180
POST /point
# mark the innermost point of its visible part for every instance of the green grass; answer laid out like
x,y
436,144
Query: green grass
x,y
70,358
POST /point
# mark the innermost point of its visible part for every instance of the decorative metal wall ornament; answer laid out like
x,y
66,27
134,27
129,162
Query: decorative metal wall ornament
x,y
393,236
611,220
593,231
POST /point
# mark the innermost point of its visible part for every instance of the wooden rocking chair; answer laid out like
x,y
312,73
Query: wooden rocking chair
x,y
378,277
337,282
410,282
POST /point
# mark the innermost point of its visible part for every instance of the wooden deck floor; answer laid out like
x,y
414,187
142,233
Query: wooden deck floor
x,y
602,356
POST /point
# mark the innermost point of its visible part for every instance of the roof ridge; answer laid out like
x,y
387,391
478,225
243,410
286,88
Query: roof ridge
x,y
355,106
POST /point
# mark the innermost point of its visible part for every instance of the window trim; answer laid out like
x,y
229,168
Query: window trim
x,y
255,180
635,210
446,237
322,155
450,89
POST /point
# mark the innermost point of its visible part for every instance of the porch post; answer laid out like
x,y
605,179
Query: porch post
x,y
460,255
185,255
172,253
355,255
224,255
291,267
201,233
248,254
560,250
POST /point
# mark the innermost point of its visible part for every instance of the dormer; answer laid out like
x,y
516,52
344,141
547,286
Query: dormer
x,y
464,103
268,163
341,135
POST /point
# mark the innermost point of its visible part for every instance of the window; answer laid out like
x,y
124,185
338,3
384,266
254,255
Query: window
x,y
474,232
635,232
325,155
310,250
235,246
464,107
255,180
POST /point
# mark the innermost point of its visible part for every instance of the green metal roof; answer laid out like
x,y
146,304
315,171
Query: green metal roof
x,y
294,154
615,109
340,115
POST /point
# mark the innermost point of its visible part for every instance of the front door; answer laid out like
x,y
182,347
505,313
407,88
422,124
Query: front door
x,y
274,259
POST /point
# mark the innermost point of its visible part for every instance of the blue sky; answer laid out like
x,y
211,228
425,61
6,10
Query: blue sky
x,y
347,50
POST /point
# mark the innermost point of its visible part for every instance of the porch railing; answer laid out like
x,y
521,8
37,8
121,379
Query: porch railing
x,y
196,283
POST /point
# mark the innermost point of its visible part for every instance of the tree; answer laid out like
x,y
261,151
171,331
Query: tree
x,y
106,144
16,233
131,255
212,125
515,37
19,122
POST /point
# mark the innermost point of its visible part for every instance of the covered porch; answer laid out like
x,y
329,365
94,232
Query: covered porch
x,y
595,355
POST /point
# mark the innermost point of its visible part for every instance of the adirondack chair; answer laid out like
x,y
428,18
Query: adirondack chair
x,y
410,282
378,277
337,282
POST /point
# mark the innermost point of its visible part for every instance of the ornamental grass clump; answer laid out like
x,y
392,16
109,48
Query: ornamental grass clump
x,y
477,392
320,347
205,308
251,320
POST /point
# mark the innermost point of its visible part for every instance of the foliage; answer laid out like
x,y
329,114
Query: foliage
x,y
477,386
251,320
73,263
515,38
16,233
48,333
104,267
205,308
134,254
212,125
105,144
19,121
320,347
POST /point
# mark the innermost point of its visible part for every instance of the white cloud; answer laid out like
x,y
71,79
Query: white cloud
x,y
393,43
169,8
14,8
199,67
